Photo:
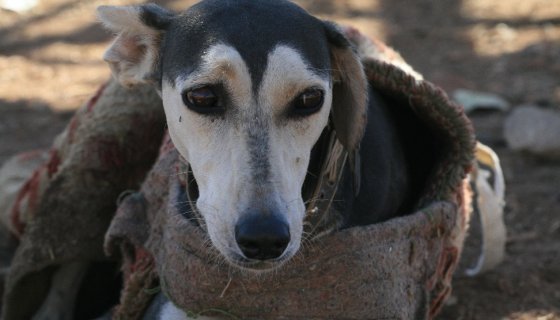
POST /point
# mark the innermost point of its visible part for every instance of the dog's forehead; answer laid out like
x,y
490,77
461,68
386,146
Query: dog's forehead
x,y
253,28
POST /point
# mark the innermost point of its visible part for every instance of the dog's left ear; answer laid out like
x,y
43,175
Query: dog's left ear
x,y
134,54
350,90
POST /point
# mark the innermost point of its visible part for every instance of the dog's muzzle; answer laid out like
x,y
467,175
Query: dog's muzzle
x,y
262,233
262,236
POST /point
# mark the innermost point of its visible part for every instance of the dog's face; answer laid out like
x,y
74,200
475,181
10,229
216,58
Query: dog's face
x,y
247,88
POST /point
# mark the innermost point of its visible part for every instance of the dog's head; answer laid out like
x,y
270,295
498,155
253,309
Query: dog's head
x,y
248,87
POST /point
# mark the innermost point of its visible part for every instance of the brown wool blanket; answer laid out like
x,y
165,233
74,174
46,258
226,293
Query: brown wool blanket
x,y
398,269
62,212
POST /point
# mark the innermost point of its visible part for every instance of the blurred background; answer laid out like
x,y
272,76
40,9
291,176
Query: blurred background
x,y
500,56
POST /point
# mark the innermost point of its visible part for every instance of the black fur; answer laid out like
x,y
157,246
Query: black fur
x,y
155,16
398,153
384,172
254,28
334,36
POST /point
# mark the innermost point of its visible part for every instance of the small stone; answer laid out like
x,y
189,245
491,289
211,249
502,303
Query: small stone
x,y
534,130
471,100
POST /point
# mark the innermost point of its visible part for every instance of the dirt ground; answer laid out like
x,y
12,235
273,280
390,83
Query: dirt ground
x,y
50,62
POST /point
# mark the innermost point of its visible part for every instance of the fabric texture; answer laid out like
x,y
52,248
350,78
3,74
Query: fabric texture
x,y
108,147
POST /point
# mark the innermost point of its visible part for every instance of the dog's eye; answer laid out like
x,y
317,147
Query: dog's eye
x,y
202,100
308,102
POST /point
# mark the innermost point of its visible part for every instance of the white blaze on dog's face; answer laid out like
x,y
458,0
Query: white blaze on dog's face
x,y
247,90
251,156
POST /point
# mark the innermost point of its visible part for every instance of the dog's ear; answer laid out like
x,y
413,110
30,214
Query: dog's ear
x,y
134,54
349,106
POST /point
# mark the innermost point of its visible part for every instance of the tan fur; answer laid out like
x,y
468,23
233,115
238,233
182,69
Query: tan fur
x,y
134,51
349,97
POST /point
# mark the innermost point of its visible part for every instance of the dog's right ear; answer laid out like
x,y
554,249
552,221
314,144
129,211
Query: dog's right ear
x,y
134,54
350,96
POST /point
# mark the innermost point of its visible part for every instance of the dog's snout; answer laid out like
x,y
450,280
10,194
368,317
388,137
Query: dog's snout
x,y
262,237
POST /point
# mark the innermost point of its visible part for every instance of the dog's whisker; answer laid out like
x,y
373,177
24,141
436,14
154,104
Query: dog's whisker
x,y
184,202
297,260
318,199
310,245
179,173
204,204
199,221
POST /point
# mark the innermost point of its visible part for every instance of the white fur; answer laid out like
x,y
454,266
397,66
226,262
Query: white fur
x,y
171,312
286,76
217,148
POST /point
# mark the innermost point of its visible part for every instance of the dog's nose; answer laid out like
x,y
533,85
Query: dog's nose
x,y
262,237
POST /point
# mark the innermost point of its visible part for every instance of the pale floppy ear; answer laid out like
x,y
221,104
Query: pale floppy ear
x,y
350,97
350,90
134,54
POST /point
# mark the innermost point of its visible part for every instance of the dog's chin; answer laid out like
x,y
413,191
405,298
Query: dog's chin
x,y
256,266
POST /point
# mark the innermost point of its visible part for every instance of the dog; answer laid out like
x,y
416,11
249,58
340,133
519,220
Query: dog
x,y
249,88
